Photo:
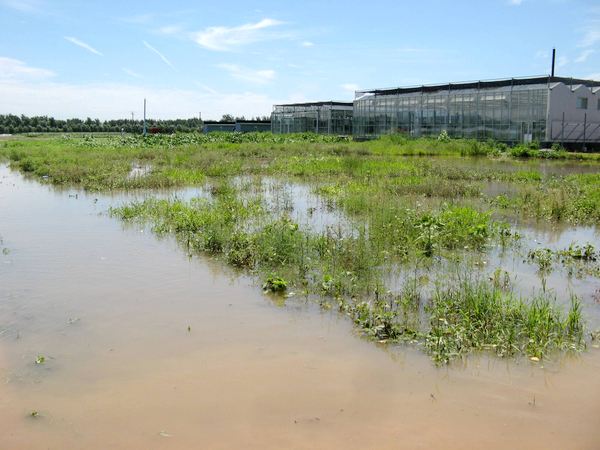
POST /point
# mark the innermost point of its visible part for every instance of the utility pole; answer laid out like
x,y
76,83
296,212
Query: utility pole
x,y
132,116
144,130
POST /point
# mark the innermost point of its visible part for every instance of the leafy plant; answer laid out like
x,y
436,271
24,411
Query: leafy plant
x,y
274,284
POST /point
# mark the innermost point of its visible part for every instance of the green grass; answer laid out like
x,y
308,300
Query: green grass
x,y
473,316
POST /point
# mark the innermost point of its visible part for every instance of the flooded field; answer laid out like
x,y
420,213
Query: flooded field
x,y
145,347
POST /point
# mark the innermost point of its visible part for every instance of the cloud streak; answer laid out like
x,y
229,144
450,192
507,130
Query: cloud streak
x,y
584,56
591,37
13,69
159,54
83,44
27,6
253,76
131,72
227,39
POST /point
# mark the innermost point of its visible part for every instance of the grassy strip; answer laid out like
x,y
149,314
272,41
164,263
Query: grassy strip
x,y
355,172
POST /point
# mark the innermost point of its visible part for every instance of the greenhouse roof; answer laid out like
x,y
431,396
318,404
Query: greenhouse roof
x,y
483,84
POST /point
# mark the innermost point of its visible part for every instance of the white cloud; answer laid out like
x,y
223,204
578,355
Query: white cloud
x,y
170,29
515,2
83,44
584,56
561,61
112,101
593,76
307,44
28,6
350,87
159,54
141,19
227,39
205,87
245,74
13,69
131,72
592,36
542,54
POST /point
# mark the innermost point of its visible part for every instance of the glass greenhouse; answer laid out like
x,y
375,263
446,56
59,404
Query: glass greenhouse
x,y
319,117
517,110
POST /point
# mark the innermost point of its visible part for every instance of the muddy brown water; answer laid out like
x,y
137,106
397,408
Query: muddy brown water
x,y
248,374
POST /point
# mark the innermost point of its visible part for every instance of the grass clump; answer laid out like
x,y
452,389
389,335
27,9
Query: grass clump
x,y
470,316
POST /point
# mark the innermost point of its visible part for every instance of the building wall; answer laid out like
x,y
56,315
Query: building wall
x,y
248,127
210,127
564,99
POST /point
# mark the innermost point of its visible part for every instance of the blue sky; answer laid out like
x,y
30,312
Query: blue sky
x,y
68,58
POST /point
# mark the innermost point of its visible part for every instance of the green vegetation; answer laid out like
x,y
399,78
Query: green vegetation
x,y
471,316
275,284
402,224
11,124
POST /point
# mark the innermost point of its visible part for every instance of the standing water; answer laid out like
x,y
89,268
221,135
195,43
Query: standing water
x,y
112,338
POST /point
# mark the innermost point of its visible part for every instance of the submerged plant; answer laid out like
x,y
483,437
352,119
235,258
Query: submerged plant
x,y
274,284
473,316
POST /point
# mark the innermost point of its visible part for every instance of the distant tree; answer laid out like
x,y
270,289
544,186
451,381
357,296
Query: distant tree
x,y
227,118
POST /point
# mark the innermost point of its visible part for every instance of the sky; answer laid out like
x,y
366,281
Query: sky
x,y
73,58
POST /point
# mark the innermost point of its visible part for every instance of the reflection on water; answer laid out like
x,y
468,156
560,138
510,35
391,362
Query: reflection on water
x,y
180,352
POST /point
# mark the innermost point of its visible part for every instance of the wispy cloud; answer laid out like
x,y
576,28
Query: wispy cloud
x,y
83,44
141,19
170,29
584,56
561,61
350,87
131,72
245,74
542,54
592,36
515,2
206,88
593,76
28,6
227,39
159,54
13,69
415,50
307,44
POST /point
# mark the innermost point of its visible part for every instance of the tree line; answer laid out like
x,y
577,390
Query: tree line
x,y
13,124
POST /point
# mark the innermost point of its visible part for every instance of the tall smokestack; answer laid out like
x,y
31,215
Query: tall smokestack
x,y
553,60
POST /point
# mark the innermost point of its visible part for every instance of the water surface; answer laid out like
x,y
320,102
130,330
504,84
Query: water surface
x,y
248,373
